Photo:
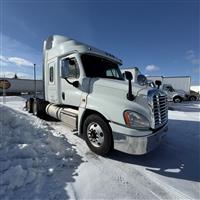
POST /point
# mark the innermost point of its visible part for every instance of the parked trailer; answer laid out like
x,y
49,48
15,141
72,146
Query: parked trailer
x,y
178,82
17,86
85,89
181,85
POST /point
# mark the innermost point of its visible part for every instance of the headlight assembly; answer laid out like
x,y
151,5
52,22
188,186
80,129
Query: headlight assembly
x,y
135,120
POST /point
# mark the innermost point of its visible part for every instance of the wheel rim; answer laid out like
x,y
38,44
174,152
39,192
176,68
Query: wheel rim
x,y
95,134
192,99
177,100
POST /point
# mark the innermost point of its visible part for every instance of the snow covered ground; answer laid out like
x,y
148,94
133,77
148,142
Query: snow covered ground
x,y
43,160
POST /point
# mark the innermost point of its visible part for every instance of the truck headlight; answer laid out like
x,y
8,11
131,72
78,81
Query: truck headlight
x,y
135,120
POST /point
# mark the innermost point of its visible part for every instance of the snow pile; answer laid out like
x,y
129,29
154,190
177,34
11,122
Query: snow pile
x,y
34,163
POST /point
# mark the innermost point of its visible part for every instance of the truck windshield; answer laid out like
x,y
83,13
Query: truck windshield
x,y
170,88
100,67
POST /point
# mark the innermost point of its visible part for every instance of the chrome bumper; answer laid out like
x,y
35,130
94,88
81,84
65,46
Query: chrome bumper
x,y
134,141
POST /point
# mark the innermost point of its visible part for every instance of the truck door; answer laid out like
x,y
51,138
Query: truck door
x,y
70,73
168,92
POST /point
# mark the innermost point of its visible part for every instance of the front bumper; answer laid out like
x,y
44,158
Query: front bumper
x,y
136,142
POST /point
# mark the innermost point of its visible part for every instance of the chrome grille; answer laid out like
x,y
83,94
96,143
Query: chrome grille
x,y
160,110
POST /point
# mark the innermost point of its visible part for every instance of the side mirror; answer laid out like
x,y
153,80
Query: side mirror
x,y
158,83
141,79
65,67
75,84
128,75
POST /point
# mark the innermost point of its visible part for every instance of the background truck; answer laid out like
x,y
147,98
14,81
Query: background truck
x,y
172,95
176,87
85,89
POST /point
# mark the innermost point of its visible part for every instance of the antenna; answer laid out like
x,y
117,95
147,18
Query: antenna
x,y
4,91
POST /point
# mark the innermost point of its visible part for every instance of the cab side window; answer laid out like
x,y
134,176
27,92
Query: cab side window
x,y
51,74
69,68
112,73
168,89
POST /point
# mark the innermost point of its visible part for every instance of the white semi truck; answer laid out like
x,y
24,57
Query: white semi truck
x,y
84,88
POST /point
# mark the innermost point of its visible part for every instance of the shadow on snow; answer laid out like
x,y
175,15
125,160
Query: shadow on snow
x,y
189,106
177,156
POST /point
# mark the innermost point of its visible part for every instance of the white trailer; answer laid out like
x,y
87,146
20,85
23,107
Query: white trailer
x,y
180,84
17,86
177,82
85,89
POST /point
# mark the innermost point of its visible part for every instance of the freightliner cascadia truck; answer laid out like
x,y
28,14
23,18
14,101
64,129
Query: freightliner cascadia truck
x,y
85,89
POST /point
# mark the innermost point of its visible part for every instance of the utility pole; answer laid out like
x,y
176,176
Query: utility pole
x,y
4,91
34,80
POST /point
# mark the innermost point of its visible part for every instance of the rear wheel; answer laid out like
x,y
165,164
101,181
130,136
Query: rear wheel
x,y
177,99
192,98
97,134
39,107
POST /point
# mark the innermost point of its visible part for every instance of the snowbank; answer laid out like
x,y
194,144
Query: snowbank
x,y
34,163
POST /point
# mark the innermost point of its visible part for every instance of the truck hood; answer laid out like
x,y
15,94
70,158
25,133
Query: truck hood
x,y
118,85
109,97
181,92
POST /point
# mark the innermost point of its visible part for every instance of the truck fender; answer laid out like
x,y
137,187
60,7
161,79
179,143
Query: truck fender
x,y
83,113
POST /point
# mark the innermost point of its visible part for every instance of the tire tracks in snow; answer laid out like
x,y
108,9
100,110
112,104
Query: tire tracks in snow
x,y
139,182
122,171
177,194
146,181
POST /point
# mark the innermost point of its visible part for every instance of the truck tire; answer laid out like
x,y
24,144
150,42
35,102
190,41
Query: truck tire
x,y
39,107
177,99
29,105
98,135
192,98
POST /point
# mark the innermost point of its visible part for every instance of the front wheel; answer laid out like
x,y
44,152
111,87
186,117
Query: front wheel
x,y
39,107
177,99
98,135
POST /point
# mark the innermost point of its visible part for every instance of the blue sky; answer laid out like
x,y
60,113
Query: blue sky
x,y
159,37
